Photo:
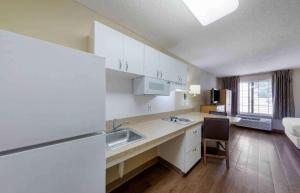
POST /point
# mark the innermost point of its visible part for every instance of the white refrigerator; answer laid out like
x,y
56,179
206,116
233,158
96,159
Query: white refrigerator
x,y
52,114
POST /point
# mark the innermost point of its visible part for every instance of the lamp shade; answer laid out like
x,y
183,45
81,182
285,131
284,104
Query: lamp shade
x,y
195,89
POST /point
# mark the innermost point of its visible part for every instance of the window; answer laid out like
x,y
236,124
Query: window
x,y
255,97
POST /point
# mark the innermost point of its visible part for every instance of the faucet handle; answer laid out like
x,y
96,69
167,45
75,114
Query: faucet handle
x,y
116,126
123,123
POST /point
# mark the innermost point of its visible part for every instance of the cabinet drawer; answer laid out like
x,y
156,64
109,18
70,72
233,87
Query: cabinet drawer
x,y
192,157
193,137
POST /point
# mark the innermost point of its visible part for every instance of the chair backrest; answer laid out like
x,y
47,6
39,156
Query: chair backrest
x,y
218,113
216,128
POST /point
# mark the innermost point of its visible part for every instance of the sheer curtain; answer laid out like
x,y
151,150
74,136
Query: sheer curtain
x,y
283,96
232,83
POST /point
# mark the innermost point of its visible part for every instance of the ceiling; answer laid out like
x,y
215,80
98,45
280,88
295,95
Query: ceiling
x,y
260,36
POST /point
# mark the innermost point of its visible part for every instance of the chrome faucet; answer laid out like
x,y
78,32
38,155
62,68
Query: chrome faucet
x,y
115,126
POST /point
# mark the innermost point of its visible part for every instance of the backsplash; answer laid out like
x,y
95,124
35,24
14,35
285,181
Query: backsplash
x,y
122,103
142,118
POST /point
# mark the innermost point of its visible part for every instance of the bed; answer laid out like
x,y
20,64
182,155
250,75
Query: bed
x,y
292,129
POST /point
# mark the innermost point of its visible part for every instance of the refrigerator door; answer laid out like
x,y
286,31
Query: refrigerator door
x,y
72,167
47,92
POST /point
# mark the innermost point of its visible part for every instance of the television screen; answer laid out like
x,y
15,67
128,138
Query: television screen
x,y
215,96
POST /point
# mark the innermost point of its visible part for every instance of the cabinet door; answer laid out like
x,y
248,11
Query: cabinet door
x,y
109,43
179,72
176,71
167,67
151,65
193,137
133,56
182,72
192,157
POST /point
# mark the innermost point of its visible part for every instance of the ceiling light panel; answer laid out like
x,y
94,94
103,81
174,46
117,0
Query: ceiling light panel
x,y
208,11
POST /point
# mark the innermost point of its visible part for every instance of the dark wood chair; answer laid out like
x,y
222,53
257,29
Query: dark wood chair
x,y
216,130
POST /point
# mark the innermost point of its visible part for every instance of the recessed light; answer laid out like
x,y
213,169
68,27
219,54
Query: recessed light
x,y
208,11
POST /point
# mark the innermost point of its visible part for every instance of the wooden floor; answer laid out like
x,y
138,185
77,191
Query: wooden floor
x,y
260,163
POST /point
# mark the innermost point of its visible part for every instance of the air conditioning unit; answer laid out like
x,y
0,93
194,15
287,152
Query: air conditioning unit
x,y
254,122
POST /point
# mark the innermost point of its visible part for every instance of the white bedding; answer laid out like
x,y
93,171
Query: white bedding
x,y
292,129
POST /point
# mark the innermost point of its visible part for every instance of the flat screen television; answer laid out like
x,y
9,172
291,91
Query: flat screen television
x,y
215,96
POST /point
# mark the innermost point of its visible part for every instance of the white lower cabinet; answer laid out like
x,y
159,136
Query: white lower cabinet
x,y
183,151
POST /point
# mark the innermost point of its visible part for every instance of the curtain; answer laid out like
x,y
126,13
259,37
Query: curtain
x,y
283,97
232,83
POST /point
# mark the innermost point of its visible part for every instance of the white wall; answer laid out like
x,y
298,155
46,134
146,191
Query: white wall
x,y
207,82
121,103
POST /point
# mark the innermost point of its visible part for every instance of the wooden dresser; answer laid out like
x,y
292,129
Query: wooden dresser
x,y
223,106
208,108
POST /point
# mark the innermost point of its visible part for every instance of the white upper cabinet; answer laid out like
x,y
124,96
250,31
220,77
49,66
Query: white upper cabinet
x,y
151,65
166,64
172,69
125,54
121,52
133,56
108,43
181,72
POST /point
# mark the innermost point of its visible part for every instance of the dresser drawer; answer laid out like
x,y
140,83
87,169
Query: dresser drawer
x,y
193,137
192,157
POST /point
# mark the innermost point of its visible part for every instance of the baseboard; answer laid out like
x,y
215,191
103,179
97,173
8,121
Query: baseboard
x,y
278,131
115,184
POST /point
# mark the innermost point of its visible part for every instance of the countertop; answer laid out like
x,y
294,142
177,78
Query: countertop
x,y
155,132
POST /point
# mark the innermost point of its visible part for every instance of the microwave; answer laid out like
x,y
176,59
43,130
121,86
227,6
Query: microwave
x,y
150,86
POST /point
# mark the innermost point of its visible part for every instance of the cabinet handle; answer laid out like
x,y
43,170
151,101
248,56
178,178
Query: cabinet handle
x,y
126,66
157,73
120,65
195,132
161,74
194,149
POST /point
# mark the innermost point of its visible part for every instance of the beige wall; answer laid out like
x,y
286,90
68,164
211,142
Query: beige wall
x,y
64,22
68,23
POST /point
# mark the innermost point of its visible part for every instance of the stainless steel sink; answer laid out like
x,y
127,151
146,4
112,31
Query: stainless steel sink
x,y
178,120
122,137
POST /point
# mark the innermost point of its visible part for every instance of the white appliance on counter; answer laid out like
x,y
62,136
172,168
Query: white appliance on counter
x,y
144,85
52,113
